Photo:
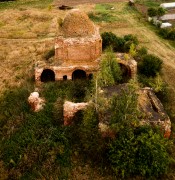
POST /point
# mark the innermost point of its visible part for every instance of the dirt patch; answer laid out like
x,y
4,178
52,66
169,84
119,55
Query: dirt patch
x,y
78,2
142,9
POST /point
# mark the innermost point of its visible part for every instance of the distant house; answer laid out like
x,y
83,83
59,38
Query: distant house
x,y
170,14
168,5
167,17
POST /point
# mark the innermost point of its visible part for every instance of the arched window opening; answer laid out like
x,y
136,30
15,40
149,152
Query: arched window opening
x,y
47,75
78,74
65,77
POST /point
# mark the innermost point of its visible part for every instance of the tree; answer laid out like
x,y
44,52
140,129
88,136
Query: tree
x,y
132,50
150,65
152,12
108,39
123,107
160,11
110,72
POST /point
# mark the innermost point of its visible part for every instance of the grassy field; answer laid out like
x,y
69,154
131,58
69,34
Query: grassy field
x,y
28,29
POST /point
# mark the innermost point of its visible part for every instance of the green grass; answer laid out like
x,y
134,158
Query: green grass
x,y
30,141
150,3
102,12
20,4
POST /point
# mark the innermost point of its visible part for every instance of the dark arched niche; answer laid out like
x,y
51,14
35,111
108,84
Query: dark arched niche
x,y
47,75
126,72
78,74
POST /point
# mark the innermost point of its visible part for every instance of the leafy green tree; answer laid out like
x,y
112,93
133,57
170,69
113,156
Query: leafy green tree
x,y
131,38
150,65
123,108
152,12
142,51
110,72
108,39
132,50
160,11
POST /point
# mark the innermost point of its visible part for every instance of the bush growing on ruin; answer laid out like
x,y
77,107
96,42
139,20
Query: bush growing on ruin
x,y
110,72
136,150
150,65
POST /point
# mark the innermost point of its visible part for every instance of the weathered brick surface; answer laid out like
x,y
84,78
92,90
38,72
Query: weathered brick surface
x,y
79,48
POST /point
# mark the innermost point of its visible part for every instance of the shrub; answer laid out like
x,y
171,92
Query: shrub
x,y
164,33
131,38
154,82
152,12
108,39
150,65
142,51
160,11
119,44
139,152
167,33
171,34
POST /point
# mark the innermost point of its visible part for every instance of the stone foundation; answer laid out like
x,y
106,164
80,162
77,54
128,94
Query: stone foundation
x,y
70,109
61,71
36,102
130,64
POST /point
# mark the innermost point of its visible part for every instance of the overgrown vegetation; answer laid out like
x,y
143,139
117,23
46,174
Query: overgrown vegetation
x,y
168,33
30,141
156,12
150,65
110,72
140,151
118,44
37,146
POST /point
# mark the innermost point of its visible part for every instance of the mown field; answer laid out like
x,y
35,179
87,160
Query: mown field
x,y
27,32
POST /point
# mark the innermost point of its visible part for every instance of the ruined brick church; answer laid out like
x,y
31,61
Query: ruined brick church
x,y
77,50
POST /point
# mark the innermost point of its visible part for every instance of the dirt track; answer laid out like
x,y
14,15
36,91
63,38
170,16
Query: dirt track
x,y
77,2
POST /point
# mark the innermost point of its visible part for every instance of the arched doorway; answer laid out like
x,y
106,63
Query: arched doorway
x,y
47,75
126,73
78,74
